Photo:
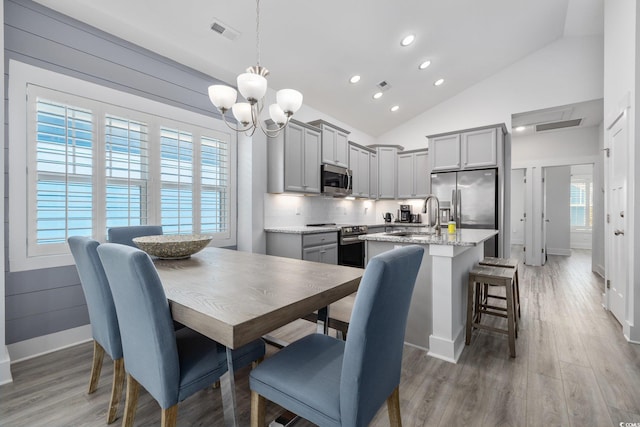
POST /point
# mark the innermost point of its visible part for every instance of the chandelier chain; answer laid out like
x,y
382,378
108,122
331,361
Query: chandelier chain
x,y
258,30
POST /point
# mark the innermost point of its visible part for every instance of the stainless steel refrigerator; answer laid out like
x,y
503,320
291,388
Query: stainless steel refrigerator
x,y
471,198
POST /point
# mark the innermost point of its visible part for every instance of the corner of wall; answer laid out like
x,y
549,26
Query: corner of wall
x,y
5,366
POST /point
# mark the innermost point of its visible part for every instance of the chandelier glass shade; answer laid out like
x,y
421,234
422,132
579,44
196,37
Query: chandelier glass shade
x,y
253,87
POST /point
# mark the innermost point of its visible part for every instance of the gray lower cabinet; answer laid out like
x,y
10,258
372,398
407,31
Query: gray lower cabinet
x,y
294,160
318,247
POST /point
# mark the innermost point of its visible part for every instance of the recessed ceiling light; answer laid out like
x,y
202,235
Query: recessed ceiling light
x,y
424,65
377,95
520,128
395,108
354,79
438,82
407,40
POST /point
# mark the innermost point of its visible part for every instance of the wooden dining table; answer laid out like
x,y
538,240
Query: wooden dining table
x,y
236,297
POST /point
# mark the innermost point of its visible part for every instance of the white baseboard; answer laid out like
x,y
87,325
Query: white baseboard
x,y
38,346
5,366
599,270
558,251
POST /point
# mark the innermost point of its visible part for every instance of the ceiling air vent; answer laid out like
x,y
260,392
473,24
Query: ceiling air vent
x,y
223,29
558,125
383,85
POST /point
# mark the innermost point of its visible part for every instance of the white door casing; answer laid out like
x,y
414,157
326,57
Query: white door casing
x,y
617,273
518,205
544,219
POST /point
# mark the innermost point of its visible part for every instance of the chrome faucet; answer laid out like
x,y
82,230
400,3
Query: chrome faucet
x,y
424,210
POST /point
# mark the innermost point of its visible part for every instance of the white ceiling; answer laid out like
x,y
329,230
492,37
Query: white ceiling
x,y
315,46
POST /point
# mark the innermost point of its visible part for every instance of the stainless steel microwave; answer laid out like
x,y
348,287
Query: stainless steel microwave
x,y
336,180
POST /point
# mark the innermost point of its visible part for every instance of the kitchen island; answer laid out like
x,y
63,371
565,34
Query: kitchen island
x,y
437,314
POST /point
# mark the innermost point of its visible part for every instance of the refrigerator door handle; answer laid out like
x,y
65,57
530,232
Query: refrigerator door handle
x,y
454,202
459,202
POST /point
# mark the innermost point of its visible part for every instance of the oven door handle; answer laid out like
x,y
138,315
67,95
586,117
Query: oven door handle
x,y
350,240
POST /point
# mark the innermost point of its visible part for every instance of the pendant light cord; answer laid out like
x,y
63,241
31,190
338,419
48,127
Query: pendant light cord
x,y
258,30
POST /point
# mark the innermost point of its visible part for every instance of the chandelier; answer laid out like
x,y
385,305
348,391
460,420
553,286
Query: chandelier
x,y
253,87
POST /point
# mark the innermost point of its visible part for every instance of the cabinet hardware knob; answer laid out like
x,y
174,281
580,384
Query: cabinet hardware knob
x,y
618,232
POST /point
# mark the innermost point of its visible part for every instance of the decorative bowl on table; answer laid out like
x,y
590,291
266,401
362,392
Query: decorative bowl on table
x,y
172,246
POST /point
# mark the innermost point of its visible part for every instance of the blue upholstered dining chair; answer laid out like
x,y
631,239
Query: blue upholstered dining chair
x,y
102,314
125,235
170,365
335,383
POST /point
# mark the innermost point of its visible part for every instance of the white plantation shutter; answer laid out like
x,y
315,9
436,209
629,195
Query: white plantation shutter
x,y
127,172
91,165
63,185
176,181
214,173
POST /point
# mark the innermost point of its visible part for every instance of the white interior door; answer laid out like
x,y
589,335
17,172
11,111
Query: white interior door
x,y
619,261
518,200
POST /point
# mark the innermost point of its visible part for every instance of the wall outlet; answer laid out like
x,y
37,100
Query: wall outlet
x,y
298,210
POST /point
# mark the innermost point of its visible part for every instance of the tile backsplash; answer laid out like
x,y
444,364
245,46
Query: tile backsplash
x,y
284,210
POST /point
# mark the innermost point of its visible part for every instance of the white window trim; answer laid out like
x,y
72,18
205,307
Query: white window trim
x,y
20,75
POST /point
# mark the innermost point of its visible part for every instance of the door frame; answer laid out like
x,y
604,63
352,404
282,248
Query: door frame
x,y
619,122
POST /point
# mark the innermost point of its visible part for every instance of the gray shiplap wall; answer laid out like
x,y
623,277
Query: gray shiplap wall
x,y
41,302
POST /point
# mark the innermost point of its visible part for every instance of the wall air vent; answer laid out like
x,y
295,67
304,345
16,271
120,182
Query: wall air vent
x,y
558,125
224,30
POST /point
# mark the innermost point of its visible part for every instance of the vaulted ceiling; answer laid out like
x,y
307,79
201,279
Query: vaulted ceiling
x,y
316,46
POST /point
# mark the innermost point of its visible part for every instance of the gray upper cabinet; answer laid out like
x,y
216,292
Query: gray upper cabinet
x,y
360,170
373,175
465,150
479,149
413,174
445,152
294,160
387,172
335,147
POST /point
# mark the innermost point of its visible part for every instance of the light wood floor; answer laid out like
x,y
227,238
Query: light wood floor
x,y
573,368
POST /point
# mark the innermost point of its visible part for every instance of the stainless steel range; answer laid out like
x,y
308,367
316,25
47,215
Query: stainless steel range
x,y
350,248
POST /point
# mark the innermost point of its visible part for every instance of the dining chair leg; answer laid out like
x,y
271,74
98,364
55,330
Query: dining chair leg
x,y
133,388
393,406
116,389
96,366
170,416
256,362
258,404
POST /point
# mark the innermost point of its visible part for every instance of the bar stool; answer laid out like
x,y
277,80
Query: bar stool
x,y
476,306
506,263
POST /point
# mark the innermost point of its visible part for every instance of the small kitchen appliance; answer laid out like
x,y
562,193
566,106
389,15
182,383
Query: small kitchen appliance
x,y
405,213
387,216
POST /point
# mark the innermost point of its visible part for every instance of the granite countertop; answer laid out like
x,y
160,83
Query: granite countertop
x,y
462,237
304,229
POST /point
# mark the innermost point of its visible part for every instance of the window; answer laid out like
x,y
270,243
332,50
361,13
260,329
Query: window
x,y
127,172
581,202
62,184
93,164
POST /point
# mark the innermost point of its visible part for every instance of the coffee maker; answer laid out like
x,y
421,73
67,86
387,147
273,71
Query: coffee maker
x,y
405,213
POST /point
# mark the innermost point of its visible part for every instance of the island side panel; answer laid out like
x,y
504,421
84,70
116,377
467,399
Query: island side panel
x,y
451,266
419,322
